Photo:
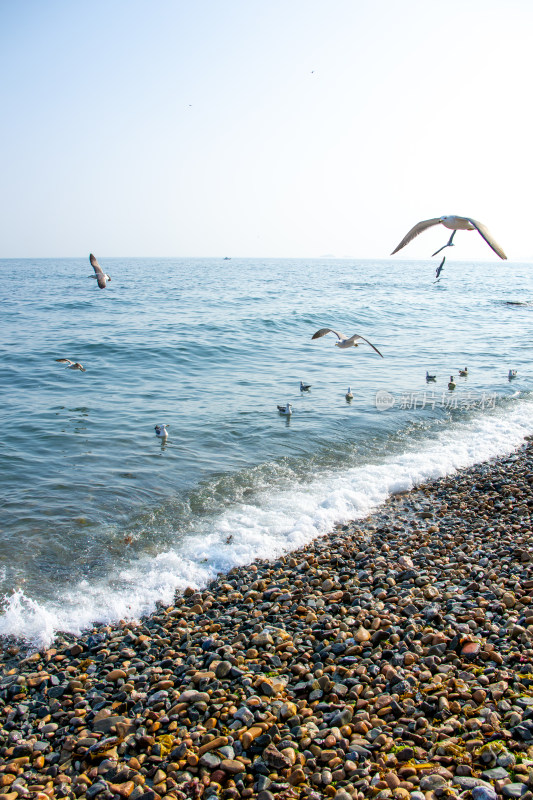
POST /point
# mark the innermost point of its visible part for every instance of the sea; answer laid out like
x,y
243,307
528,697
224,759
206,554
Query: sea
x,y
101,520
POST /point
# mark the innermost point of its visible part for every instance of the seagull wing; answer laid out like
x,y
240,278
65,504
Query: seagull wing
x,y
483,231
418,228
323,331
64,360
95,265
356,336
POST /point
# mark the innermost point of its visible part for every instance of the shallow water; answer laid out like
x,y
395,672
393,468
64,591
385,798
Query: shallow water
x,y
100,519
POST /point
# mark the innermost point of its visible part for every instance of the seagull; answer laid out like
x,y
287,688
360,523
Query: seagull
x,y
449,243
161,430
349,394
451,384
286,410
454,224
71,364
344,341
512,374
100,275
304,387
440,267
463,372
430,377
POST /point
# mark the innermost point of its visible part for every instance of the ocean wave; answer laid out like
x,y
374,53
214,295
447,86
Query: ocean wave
x,y
271,521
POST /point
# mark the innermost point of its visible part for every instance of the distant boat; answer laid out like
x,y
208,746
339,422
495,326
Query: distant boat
x,y
227,258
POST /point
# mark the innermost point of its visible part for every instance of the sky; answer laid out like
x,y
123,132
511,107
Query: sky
x,y
280,128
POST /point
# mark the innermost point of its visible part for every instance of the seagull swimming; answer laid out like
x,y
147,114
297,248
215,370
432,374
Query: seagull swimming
x,y
304,387
463,372
100,275
349,394
71,364
512,374
286,410
454,224
161,430
344,341
430,377
451,384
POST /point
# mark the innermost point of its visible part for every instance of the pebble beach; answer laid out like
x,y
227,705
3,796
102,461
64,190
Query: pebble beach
x,y
392,658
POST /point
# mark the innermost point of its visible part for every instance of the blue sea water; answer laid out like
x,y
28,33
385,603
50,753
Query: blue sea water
x,y
100,520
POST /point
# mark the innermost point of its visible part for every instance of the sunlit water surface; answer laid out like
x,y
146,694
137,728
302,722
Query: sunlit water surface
x,y
100,519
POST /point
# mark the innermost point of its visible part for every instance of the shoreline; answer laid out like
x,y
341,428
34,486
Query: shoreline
x,y
392,657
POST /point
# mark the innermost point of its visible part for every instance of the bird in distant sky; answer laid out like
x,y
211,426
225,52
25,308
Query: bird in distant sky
x,y
71,364
344,341
454,224
100,275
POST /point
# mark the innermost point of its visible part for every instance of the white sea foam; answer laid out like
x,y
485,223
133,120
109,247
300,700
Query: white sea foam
x,y
278,522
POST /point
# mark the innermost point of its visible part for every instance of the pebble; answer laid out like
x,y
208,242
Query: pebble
x,y
390,659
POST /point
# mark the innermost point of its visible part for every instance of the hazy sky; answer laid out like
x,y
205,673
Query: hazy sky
x,y
272,128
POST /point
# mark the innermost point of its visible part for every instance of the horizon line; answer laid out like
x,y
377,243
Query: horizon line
x,y
521,259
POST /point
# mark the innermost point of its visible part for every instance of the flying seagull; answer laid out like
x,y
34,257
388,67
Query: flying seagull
x,y
344,341
71,364
449,243
304,387
100,275
454,224
441,265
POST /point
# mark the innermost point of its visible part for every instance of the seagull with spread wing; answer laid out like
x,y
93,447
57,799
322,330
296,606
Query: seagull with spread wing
x,y
71,364
454,224
345,341
440,268
100,275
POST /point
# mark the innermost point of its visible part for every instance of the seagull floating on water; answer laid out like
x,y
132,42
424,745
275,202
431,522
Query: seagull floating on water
x,y
304,387
349,394
161,430
100,275
512,374
451,384
463,372
430,377
454,224
71,364
344,341
286,410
